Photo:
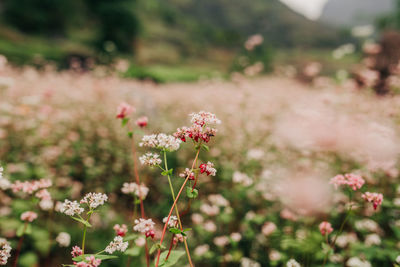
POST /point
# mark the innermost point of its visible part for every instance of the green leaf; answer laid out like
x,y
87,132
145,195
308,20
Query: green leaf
x,y
134,252
165,173
172,259
187,229
155,247
130,134
205,147
124,121
97,256
190,193
82,221
175,230
21,230
131,237
137,201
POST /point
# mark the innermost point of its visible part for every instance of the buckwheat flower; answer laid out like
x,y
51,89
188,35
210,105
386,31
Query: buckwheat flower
x,y
117,244
218,200
354,181
90,261
241,178
173,221
93,200
140,242
187,173
236,237
168,142
221,241
149,141
178,238
357,262
28,216
142,121
268,228
4,184
1,172
43,194
208,168
150,159
120,230
247,262
375,198
133,188
5,251
325,228
124,110
203,118
71,208
292,263
398,259
145,227
210,226
201,250
197,218
372,239
76,251
46,204
275,255
210,210
63,239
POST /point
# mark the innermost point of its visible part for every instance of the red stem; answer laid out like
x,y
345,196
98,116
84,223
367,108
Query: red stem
x,y
20,242
172,208
170,247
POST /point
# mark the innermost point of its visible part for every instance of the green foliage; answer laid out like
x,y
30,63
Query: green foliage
x,y
172,259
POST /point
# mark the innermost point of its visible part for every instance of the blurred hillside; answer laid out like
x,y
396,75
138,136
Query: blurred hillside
x,y
154,31
355,12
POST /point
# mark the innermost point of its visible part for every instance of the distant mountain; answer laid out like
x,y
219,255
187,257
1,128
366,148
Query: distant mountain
x,y
355,12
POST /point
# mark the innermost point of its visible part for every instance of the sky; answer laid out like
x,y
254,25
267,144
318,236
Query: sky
x,y
310,8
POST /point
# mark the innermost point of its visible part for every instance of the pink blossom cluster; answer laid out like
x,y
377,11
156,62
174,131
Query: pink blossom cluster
x,y
145,226
325,228
375,198
30,186
124,110
29,216
5,251
173,221
208,168
120,230
187,173
354,181
93,200
91,261
142,121
199,129
117,244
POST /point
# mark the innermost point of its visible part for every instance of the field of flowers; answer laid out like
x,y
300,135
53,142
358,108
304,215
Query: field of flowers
x,y
100,170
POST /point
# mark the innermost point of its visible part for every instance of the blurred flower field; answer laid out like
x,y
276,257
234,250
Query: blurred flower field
x,y
294,175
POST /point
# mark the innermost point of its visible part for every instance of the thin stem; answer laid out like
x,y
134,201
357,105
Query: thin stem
x,y
20,242
170,246
172,208
135,168
176,211
84,234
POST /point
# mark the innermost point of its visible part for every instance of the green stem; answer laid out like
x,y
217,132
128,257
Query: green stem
x,y
84,234
176,208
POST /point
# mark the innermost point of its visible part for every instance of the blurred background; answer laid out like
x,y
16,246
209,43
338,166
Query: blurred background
x,y
305,89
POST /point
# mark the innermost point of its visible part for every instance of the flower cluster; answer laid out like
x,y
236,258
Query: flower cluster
x,y
145,227
374,198
93,200
63,239
71,208
76,251
325,228
120,230
173,221
4,183
5,251
142,121
354,181
161,141
187,173
117,244
133,188
124,110
91,261
150,159
199,130
30,187
28,216
208,168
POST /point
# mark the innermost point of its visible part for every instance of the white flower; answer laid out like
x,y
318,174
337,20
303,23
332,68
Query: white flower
x,y
63,239
143,225
161,141
372,239
210,226
398,259
133,188
201,250
218,200
292,263
150,159
94,199
236,237
117,245
173,221
356,262
71,208
242,178
4,184
221,241
210,210
1,172
246,262
140,242
202,118
46,204
255,154
5,251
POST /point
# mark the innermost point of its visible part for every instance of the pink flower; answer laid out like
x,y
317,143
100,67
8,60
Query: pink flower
x,y
187,173
208,168
354,181
28,216
43,194
76,251
142,121
375,198
325,228
90,262
124,110
120,230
